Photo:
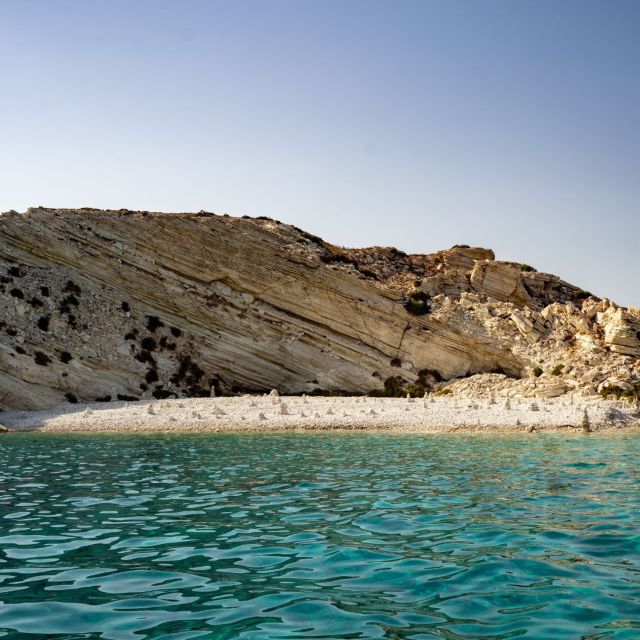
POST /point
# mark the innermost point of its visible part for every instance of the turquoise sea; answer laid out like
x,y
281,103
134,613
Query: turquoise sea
x,y
319,536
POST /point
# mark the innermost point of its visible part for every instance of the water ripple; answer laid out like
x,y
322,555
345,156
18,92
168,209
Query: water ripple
x,y
319,536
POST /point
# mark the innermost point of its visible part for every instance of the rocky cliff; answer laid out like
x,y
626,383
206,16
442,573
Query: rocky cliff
x,y
107,305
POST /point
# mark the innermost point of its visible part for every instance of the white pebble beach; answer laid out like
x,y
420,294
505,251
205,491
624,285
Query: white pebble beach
x,y
270,413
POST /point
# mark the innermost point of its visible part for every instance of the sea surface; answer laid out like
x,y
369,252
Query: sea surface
x,y
330,535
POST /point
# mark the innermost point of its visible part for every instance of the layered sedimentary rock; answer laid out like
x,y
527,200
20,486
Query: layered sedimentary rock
x,y
107,305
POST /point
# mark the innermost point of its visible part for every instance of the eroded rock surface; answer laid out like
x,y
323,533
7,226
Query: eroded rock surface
x,y
107,305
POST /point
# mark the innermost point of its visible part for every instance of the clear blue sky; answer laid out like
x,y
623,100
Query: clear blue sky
x,y
510,124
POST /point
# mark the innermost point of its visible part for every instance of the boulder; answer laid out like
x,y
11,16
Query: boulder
x,y
500,280
622,333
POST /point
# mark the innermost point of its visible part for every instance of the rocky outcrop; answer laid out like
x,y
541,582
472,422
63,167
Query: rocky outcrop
x,y
108,305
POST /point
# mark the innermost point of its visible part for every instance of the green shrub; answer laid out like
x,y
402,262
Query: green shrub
x,y
526,267
393,388
444,391
417,303
557,370
416,390
631,394
537,371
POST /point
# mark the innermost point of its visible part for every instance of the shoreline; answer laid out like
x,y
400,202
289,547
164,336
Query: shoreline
x,y
280,414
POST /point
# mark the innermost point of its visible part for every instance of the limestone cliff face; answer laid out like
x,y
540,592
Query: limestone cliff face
x,y
126,305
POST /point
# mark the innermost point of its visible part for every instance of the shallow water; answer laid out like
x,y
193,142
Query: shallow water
x,y
319,536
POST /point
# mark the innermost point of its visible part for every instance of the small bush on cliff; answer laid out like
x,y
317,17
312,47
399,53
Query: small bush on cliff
x,y
72,287
416,390
43,323
557,370
396,387
393,388
537,371
631,394
444,391
154,323
417,303
41,358
526,267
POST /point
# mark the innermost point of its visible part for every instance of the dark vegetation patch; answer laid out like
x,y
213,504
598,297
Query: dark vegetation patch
x,y
443,392
537,371
5,280
143,386
106,398
151,376
17,293
44,291
395,362
35,302
189,376
579,294
11,332
425,374
72,287
417,303
71,321
130,336
333,257
161,394
527,268
65,356
71,398
328,393
69,301
557,370
397,387
41,358
154,323
43,323
393,388
125,307
148,344
309,236
20,350
15,272
145,356
175,332
632,394
125,398
427,379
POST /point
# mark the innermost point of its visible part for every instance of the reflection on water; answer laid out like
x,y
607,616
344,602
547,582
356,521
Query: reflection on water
x,y
319,536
